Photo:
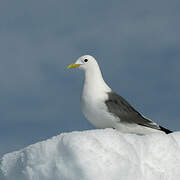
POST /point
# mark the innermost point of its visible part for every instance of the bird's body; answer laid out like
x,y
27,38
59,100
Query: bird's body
x,y
104,108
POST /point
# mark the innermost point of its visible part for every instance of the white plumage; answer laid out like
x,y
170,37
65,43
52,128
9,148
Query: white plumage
x,y
106,109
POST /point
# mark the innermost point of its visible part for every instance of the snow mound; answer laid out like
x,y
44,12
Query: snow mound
x,y
95,155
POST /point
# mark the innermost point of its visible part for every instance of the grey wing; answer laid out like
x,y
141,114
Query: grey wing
x,y
119,107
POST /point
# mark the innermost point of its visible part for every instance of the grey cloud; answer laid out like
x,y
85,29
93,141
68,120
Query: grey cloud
x,y
135,42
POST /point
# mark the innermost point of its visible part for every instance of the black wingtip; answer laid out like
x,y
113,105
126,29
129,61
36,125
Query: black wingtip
x,y
167,131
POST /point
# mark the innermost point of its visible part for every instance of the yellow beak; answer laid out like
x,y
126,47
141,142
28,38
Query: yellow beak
x,y
73,66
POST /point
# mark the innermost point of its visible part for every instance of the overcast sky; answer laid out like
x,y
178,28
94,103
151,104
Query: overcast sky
x,y
137,45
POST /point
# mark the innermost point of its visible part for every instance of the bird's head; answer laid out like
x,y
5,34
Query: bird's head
x,y
84,62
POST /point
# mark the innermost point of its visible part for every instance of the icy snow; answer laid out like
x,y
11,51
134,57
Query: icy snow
x,y
96,155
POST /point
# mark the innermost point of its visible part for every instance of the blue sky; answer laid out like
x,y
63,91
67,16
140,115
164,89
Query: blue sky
x,y
137,44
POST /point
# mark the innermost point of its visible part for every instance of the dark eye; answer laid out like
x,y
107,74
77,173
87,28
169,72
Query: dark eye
x,y
86,60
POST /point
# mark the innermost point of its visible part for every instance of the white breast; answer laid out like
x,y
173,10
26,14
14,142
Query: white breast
x,y
95,110
93,98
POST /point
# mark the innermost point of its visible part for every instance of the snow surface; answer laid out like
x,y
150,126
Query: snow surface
x,y
96,155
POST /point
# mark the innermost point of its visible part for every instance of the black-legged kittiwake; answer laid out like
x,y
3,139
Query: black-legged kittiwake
x,y
106,109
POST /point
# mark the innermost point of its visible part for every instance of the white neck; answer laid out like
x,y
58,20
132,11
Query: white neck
x,y
94,82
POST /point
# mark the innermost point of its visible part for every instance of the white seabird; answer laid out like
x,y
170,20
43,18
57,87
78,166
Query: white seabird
x,y
104,108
